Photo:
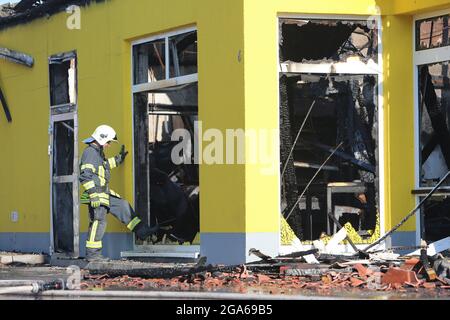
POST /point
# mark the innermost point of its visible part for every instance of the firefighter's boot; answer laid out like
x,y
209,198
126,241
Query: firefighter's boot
x,y
95,255
143,231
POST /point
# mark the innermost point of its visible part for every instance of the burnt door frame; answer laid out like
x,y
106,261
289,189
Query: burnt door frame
x,y
73,178
65,111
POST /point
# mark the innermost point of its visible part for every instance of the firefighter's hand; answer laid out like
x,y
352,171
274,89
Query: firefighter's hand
x,y
95,202
123,153
121,156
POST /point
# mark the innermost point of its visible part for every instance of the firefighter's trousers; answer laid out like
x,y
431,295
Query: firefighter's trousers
x,y
119,208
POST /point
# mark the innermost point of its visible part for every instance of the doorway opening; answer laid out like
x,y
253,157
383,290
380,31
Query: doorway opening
x,y
165,101
167,189
62,204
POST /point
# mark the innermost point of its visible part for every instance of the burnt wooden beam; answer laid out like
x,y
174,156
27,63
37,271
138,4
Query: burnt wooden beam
x,y
5,106
16,57
359,163
260,255
24,5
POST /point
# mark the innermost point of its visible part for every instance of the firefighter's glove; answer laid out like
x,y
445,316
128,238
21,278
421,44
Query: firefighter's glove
x,y
95,202
123,153
121,156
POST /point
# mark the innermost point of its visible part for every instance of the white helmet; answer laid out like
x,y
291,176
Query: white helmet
x,y
103,134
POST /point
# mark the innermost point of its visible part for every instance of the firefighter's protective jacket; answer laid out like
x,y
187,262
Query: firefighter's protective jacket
x,y
95,174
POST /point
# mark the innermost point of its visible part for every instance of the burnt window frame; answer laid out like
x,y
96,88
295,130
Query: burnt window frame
x,y
370,67
59,59
422,57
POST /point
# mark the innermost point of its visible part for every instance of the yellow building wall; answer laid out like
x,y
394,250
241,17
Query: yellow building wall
x,y
24,161
238,88
103,47
399,120
416,6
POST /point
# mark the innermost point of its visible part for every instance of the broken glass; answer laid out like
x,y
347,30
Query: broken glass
x,y
334,40
434,119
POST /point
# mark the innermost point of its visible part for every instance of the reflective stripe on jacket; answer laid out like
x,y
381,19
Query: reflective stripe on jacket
x,y
95,174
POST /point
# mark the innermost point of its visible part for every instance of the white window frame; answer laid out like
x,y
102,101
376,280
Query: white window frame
x,y
168,81
171,251
426,56
348,68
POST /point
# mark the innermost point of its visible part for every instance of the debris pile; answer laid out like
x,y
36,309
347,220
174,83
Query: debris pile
x,y
320,269
289,277
6,10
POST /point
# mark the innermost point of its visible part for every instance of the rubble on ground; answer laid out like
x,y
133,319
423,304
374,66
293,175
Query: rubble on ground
x,y
425,270
283,275
382,277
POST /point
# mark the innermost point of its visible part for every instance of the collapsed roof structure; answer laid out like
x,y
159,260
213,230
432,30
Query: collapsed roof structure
x,y
12,14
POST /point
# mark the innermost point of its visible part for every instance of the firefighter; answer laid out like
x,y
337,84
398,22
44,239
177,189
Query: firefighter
x,y
95,173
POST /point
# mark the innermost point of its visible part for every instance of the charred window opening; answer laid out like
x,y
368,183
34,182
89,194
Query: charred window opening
x,y
329,107
167,190
434,122
434,113
309,40
64,154
62,79
435,219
